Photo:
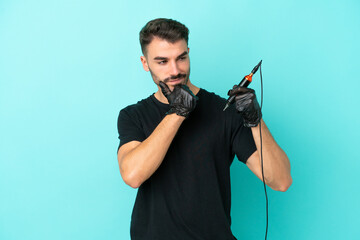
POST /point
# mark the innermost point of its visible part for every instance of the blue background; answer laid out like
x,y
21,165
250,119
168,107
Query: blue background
x,y
68,67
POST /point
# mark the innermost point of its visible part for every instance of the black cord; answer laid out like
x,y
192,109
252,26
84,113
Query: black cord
x,y
261,155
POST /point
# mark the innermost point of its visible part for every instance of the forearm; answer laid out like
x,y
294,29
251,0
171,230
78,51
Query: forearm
x,y
142,161
275,161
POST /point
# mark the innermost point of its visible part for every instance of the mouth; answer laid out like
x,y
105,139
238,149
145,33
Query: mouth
x,y
175,81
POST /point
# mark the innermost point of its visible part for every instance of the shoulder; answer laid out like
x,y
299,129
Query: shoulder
x,y
134,113
134,108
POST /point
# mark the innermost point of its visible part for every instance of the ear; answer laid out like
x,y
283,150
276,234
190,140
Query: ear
x,y
188,50
144,63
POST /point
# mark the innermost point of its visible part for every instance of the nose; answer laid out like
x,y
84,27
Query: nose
x,y
174,69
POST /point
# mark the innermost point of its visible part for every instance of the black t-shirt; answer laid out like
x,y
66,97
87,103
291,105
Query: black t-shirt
x,y
188,197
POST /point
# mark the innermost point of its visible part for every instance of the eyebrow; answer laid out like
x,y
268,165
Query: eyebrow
x,y
165,58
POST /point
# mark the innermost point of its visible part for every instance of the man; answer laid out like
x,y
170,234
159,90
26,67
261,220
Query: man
x,y
177,145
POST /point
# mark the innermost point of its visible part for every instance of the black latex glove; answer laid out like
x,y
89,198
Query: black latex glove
x,y
182,100
247,104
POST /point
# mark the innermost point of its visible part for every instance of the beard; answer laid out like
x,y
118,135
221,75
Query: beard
x,y
183,76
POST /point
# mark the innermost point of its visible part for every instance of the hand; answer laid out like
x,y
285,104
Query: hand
x,y
182,101
247,104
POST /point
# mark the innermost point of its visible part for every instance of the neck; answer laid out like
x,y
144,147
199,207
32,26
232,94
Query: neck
x,y
160,96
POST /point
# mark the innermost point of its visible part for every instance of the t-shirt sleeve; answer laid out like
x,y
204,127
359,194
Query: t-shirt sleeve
x,y
129,128
243,144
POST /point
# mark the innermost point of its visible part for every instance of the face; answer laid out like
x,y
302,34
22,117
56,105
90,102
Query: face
x,y
167,62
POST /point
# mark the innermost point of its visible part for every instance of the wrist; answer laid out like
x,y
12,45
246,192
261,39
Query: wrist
x,y
252,118
175,117
179,111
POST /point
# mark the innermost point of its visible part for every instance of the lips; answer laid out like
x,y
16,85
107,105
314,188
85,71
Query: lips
x,y
174,81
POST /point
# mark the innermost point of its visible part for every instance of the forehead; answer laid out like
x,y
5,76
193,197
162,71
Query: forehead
x,y
160,47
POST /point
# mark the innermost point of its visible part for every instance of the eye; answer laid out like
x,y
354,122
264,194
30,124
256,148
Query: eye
x,y
183,58
162,62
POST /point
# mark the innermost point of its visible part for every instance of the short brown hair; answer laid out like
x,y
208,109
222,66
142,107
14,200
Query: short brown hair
x,y
167,29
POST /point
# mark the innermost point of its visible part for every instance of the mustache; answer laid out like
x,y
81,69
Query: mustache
x,y
180,75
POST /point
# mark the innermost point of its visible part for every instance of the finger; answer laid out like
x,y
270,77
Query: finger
x,y
164,89
230,92
187,89
240,90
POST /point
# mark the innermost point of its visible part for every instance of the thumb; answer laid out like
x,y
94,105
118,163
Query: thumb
x,y
164,89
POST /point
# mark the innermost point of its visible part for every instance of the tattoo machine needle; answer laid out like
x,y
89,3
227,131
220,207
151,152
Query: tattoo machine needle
x,y
244,83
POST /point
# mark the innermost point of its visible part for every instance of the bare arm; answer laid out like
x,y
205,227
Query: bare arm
x,y
139,160
276,163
